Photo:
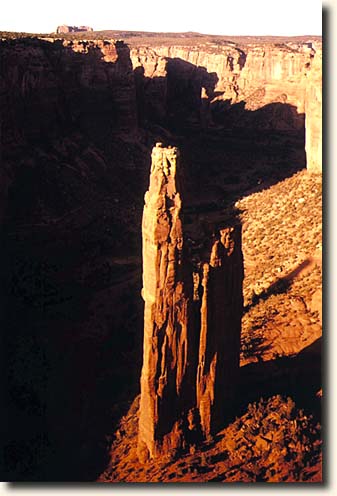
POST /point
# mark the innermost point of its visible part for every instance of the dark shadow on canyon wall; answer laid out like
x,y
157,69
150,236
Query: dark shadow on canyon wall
x,y
70,245
174,102
75,165
228,150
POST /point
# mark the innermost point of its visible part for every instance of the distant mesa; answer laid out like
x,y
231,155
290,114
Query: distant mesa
x,y
72,29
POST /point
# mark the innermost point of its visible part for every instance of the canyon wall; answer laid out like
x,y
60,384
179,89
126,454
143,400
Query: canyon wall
x,y
47,87
68,118
107,89
267,86
75,116
256,73
192,321
313,115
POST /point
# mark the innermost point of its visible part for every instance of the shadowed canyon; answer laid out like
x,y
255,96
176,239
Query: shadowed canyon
x,y
161,257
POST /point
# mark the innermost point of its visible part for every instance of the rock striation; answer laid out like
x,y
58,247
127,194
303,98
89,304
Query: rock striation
x,y
260,85
106,87
48,86
255,73
220,327
192,321
168,298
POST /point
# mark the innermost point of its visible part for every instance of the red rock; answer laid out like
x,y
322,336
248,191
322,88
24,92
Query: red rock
x,y
167,295
188,374
313,114
221,312
256,74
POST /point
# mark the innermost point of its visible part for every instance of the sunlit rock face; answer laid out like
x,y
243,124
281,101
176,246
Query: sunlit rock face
x,y
220,327
313,115
256,73
167,293
275,84
240,71
192,321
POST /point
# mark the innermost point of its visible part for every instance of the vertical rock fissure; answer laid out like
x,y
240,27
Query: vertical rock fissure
x,y
219,347
192,321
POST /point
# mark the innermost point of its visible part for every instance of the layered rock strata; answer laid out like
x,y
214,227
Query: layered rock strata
x,y
256,73
280,80
50,86
192,321
106,88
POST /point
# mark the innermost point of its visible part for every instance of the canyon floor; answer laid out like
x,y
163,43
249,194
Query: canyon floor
x,y
276,435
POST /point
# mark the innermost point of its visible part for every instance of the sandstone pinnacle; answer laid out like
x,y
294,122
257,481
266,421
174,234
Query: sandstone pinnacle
x,y
191,345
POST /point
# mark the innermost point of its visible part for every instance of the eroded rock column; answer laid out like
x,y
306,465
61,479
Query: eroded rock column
x,y
166,394
192,321
220,329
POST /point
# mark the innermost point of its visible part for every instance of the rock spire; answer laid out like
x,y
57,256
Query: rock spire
x,y
192,321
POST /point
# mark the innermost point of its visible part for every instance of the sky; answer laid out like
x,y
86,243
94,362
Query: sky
x,y
223,17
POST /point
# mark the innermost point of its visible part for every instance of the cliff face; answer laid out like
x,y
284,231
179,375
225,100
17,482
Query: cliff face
x,y
151,85
67,109
281,81
106,89
67,82
242,71
68,115
313,115
191,329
